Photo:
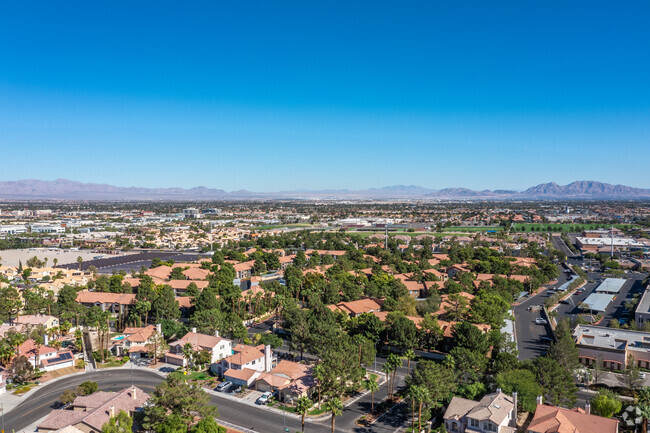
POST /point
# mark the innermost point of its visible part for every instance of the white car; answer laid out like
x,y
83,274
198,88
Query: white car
x,y
264,398
541,321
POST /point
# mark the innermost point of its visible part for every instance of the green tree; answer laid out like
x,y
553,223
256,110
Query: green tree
x,y
631,377
437,378
208,425
303,404
178,397
10,302
68,396
524,383
165,306
556,381
335,407
174,423
372,386
606,403
121,423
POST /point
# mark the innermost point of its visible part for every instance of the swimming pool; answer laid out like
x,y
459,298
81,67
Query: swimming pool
x,y
119,337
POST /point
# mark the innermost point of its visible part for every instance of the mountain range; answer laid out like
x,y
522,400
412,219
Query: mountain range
x,y
63,189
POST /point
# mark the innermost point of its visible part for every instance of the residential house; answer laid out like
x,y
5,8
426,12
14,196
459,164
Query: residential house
x,y
218,347
116,303
553,419
136,341
356,308
246,364
90,413
290,379
45,357
495,413
35,320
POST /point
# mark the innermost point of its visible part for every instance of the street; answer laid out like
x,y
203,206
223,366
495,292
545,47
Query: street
x,y
255,418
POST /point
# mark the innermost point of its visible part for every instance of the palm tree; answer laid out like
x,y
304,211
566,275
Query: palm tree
x,y
643,404
422,395
319,375
303,404
55,261
387,369
643,409
412,394
394,363
372,386
335,407
188,351
408,355
80,261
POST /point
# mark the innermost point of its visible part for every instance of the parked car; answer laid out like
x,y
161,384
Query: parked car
x,y
223,386
545,339
577,292
541,321
264,398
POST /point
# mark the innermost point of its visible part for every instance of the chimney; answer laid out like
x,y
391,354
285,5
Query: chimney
x,y
498,390
194,330
46,339
587,408
267,358
134,396
513,422
216,333
158,328
540,400
111,411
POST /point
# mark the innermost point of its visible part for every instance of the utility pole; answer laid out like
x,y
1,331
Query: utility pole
x,y
612,239
386,238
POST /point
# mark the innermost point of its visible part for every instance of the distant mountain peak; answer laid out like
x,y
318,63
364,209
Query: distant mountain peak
x,y
65,189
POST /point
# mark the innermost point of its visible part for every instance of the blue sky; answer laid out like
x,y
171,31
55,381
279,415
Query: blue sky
x,y
284,95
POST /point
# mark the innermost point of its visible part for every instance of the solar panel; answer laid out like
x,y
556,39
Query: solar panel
x,y
65,356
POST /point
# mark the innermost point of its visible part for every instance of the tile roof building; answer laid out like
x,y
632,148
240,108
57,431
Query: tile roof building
x,y
91,412
218,347
552,419
495,413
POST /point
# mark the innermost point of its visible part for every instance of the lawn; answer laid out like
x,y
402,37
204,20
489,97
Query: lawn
x,y
473,229
281,226
567,228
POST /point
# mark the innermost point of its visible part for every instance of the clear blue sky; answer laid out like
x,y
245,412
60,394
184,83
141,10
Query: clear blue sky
x,y
276,95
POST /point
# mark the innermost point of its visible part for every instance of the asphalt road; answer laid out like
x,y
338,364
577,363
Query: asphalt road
x,y
255,418
559,244
528,333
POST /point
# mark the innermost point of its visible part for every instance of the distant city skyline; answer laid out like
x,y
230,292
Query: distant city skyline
x,y
334,95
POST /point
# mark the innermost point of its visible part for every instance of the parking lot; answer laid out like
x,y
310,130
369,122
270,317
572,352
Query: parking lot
x,y
616,309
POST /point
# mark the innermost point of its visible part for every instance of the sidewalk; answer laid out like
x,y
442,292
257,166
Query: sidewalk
x,y
278,410
10,400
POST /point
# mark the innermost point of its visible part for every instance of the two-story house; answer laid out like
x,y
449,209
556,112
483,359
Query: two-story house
x,y
495,413
218,347
45,357
246,364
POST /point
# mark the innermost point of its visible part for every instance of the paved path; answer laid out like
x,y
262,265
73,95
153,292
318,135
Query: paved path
x,y
45,398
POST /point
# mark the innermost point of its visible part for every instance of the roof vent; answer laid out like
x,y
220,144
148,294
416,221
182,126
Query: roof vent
x,y
497,406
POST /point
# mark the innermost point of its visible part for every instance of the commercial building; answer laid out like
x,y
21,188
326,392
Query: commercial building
x,y
642,313
612,346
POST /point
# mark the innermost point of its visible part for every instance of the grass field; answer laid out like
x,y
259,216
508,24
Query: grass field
x,y
567,228
282,226
463,229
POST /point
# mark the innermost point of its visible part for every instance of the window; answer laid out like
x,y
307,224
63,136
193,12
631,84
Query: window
x,y
473,422
454,426
488,426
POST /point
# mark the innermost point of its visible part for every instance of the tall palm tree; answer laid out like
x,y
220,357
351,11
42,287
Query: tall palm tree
x,y
335,407
372,386
394,362
55,261
387,369
319,375
303,404
408,355
80,261
412,394
422,396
